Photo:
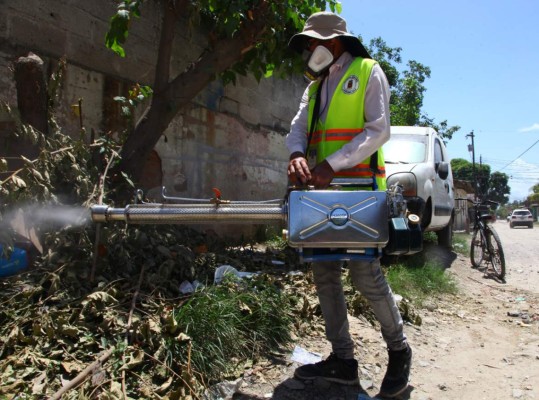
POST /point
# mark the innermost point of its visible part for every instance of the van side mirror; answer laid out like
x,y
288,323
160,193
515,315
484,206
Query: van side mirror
x,y
443,170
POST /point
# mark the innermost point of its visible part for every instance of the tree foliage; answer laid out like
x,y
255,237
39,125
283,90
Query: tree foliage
x,y
407,89
533,198
498,188
493,186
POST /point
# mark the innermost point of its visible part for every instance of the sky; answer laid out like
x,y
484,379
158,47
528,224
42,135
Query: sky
x,y
484,61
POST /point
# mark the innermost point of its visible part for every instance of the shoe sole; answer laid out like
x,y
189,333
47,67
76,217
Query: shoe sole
x,y
335,380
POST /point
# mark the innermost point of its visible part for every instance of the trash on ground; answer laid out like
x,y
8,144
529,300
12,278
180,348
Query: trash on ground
x,y
303,356
188,287
17,261
223,390
222,270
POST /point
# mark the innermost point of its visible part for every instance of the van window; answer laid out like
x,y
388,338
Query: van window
x,y
438,153
405,149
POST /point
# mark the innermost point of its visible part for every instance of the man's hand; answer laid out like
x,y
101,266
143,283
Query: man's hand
x,y
298,170
322,175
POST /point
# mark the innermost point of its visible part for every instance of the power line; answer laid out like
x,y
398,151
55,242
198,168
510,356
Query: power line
x,y
495,161
524,152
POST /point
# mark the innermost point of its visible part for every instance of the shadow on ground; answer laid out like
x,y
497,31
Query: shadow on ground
x,y
319,389
431,253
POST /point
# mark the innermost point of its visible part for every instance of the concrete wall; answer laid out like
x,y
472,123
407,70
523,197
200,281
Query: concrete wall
x,y
230,137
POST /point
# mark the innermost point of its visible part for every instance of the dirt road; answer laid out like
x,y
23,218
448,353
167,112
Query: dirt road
x,y
480,344
521,246
486,344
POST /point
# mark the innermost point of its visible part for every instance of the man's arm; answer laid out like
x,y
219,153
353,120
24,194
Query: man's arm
x,y
296,141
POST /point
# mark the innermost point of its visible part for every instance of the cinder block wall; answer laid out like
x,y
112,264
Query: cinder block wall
x,y
230,137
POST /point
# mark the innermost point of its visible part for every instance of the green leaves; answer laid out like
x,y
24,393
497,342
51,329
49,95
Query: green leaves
x,y
407,88
493,186
137,94
119,25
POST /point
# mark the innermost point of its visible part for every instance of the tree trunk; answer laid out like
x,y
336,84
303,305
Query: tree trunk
x,y
32,106
32,92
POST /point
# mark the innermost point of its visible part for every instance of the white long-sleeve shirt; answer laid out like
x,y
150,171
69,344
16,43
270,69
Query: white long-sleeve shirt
x,y
377,124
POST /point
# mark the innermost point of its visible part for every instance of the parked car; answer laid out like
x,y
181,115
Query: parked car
x,y
521,217
417,159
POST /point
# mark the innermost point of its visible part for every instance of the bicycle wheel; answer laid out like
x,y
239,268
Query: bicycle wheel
x,y
495,253
476,249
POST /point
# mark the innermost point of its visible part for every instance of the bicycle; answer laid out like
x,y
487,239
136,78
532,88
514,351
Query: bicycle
x,y
486,245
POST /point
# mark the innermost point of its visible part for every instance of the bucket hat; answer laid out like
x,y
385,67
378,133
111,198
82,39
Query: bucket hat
x,y
326,25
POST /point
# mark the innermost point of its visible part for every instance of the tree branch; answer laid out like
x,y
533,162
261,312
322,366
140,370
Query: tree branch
x,y
178,93
225,53
80,377
164,54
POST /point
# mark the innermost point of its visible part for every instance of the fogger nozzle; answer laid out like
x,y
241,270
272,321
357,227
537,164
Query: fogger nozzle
x,y
190,213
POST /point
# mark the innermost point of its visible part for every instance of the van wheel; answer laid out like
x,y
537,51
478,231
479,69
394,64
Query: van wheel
x,y
445,236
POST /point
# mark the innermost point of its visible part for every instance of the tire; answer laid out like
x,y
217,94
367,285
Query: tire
x,y
531,225
445,236
495,253
511,225
476,249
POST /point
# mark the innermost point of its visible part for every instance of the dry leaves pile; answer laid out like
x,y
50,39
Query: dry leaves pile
x,y
55,322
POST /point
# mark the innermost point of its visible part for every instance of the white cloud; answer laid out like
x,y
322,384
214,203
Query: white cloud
x,y
534,127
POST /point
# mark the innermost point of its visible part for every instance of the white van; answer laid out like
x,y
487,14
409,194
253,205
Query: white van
x,y
417,159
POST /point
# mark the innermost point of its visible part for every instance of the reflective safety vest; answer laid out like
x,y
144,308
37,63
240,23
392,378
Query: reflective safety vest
x,y
345,119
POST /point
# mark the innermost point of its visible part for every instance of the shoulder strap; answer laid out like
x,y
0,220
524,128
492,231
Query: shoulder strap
x,y
373,165
316,112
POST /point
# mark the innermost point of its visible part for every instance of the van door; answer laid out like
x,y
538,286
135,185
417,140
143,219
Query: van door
x,y
443,196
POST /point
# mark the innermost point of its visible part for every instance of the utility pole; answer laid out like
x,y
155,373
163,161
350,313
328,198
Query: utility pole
x,y
472,149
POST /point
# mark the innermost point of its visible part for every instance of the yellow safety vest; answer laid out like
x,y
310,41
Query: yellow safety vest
x,y
345,119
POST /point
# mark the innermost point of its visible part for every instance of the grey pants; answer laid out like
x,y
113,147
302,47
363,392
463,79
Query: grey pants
x,y
367,277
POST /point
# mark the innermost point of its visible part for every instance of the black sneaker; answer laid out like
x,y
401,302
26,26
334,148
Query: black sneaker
x,y
398,372
333,369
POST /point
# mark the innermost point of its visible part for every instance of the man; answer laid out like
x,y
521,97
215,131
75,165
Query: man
x,y
338,131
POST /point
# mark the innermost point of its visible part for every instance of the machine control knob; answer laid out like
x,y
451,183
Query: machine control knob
x,y
339,216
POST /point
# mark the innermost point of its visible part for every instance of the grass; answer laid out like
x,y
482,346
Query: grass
x,y
461,243
232,322
416,283
417,279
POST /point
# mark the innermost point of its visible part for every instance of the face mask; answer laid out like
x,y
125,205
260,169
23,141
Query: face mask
x,y
319,62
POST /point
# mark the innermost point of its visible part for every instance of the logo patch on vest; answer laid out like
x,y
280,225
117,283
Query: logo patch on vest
x,y
351,85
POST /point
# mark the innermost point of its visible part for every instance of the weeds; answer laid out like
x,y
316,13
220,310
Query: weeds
x,y
417,282
234,322
461,243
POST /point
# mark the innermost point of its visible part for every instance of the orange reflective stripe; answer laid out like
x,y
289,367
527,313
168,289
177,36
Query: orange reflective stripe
x,y
352,174
345,130
361,170
333,135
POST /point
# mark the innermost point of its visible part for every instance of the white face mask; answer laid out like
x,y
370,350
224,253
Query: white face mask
x,y
319,62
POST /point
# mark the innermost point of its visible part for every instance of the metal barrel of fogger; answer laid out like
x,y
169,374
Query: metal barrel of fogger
x,y
235,213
